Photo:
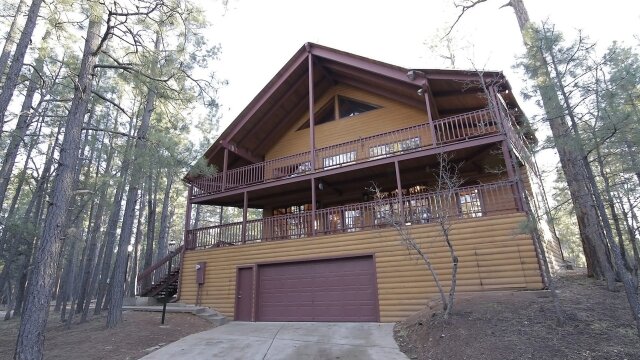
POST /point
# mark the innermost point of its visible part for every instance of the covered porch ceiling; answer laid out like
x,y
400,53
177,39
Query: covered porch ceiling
x,y
285,98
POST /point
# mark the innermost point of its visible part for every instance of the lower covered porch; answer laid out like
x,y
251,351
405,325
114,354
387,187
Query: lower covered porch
x,y
411,206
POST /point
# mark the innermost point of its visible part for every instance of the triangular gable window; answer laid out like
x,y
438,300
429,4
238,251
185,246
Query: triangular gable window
x,y
350,107
345,107
324,115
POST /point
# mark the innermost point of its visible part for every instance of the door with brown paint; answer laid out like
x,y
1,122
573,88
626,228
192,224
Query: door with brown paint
x,y
244,294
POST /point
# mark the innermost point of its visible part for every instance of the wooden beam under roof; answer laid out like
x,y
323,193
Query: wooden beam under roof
x,y
240,151
381,92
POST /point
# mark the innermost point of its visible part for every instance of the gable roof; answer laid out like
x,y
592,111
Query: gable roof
x,y
284,99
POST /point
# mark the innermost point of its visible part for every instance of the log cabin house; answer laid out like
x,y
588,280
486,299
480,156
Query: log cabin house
x,y
306,151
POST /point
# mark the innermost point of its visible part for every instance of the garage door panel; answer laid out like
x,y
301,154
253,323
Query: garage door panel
x,y
323,290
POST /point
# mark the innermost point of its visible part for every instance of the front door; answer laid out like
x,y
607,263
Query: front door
x,y
244,294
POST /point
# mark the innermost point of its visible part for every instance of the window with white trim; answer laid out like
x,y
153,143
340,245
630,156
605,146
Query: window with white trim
x,y
394,147
469,203
339,160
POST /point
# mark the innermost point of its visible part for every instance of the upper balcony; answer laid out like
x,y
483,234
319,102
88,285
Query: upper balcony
x,y
453,131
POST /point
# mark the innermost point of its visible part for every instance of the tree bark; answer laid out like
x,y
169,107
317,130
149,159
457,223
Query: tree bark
x,y
30,343
11,79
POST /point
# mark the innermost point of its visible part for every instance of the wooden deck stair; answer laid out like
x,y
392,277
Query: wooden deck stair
x,y
160,280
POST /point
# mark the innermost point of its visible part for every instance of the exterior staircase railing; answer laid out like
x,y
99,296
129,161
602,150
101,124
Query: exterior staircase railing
x,y
163,274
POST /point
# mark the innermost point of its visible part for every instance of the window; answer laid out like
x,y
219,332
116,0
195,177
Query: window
x,y
352,220
296,209
338,160
398,146
294,226
469,203
349,107
343,106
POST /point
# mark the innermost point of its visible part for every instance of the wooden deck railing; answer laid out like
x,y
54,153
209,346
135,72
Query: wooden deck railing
x,y
514,134
465,126
158,271
448,130
466,202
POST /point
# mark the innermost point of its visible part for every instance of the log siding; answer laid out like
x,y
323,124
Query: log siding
x,y
493,254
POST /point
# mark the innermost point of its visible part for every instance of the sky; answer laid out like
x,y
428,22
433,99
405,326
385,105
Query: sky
x,y
258,37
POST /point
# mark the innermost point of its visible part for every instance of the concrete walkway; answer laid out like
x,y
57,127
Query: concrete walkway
x,y
263,340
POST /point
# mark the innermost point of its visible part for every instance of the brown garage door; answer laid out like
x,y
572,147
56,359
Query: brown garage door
x,y
324,290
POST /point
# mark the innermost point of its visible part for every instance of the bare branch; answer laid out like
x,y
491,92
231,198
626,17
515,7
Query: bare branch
x,y
464,8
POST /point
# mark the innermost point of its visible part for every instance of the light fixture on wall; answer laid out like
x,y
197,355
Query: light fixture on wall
x,y
421,92
320,185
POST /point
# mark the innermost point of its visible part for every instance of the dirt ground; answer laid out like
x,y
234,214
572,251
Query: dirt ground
x,y
92,340
522,325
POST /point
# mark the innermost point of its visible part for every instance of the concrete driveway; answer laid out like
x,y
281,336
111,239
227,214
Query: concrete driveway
x,y
263,340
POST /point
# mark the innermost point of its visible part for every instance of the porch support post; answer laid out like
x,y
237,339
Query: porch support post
x,y
399,185
187,220
508,160
244,217
224,168
312,122
429,113
313,206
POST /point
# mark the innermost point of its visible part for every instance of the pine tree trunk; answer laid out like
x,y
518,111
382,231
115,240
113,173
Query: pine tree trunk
x,y
66,284
11,78
10,39
33,215
12,216
151,225
87,283
106,250
593,240
110,237
30,344
630,230
136,247
630,284
164,219
25,119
